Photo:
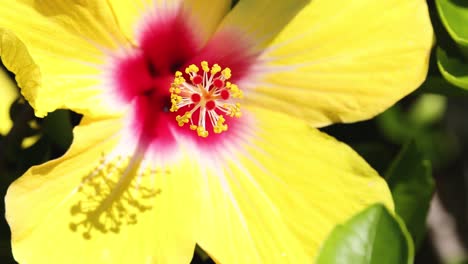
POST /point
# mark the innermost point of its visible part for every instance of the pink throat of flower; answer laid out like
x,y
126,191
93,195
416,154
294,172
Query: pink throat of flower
x,y
168,101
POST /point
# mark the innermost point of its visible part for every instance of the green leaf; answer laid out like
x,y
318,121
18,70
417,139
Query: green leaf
x,y
410,180
454,16
436,84
372,236
452,58
453,68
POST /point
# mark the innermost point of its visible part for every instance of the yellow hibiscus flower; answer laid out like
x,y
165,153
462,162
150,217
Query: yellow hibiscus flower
x,y
200,123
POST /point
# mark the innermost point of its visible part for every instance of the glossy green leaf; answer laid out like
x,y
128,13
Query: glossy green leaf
x,y
454,16
373,236
453,68
410,180
452,58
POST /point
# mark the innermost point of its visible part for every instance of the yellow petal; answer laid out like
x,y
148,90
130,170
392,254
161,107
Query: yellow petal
x,y
262,19
8,95
344,61
45,206
204,15
275,198
55,50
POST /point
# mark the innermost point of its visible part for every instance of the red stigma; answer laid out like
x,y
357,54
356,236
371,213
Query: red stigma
x,y
210,105
197,80
195,98
218,83
225,94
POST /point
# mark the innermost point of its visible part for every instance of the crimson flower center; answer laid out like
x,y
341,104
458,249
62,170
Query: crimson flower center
x,y
164,107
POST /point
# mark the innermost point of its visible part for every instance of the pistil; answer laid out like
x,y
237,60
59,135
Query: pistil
x,y
209,95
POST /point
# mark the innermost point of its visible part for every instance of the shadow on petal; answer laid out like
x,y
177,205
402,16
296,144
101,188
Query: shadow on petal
x,y
113,195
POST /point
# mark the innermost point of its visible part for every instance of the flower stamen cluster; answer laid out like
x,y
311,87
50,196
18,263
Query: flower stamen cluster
x,y
208,95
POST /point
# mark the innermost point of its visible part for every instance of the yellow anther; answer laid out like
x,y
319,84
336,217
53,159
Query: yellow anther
x,y
181,120
233,87
174,102
174,108
202,132
192,68
234,110
215,69
235,91
176,98
178,81
193,127
220,126
205,67
174,89
226,73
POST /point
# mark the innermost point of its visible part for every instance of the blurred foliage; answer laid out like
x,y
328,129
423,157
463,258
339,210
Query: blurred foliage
x,y
410,180
421,123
